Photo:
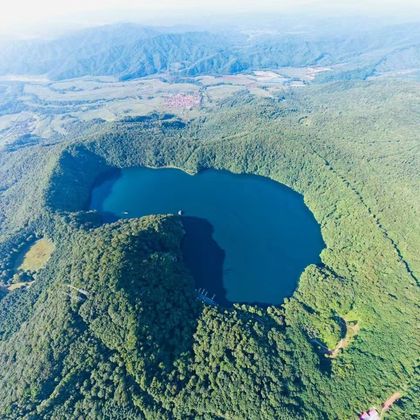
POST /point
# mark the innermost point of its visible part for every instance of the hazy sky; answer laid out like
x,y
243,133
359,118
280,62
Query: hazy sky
x,y
18,16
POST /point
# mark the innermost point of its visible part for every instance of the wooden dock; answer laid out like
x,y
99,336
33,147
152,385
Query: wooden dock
x,y
202,295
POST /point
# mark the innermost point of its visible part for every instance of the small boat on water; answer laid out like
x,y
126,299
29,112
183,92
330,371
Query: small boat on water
x,y
180,212
125,212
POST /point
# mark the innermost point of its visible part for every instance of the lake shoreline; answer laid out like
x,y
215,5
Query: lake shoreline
x,y
241,229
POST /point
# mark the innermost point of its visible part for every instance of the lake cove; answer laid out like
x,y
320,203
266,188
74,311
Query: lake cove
x,y
247,239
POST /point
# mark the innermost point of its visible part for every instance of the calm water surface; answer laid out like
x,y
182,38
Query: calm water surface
x,y
248,238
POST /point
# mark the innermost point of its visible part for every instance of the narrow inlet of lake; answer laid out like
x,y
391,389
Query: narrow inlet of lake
x,y
247,239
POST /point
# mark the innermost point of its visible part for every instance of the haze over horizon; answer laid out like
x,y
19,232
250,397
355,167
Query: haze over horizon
x,y
24,18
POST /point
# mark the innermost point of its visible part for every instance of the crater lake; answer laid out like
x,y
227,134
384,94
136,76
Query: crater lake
x,y
248,238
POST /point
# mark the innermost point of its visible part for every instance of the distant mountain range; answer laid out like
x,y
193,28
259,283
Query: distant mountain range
x,y
129,51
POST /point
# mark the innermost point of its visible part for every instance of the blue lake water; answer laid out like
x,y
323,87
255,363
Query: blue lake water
x,y
247,239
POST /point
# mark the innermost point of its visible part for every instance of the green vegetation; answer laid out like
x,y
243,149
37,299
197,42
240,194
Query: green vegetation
x,y
112,328
130,51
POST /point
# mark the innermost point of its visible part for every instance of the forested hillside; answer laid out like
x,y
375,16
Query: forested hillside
x,y
111,327
130,51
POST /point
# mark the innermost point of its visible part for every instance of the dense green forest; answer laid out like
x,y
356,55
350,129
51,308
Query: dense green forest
x,y
111,327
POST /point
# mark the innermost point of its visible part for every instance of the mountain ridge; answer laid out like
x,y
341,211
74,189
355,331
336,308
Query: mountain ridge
x,y
129,51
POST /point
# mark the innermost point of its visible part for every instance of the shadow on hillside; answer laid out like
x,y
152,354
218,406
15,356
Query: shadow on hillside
x,y
204,258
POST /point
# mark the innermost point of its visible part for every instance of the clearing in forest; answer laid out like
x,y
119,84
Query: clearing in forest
x,y
37,255
352,329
